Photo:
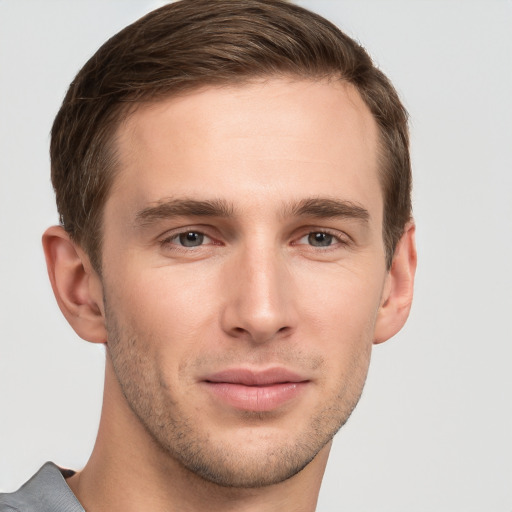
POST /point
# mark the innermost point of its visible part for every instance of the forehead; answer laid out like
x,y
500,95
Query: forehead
x,y
270,139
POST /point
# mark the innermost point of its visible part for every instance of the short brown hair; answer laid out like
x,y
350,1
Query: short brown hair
x,y
193,43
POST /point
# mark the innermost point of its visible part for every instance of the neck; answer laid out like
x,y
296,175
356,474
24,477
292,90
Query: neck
x,y
128,471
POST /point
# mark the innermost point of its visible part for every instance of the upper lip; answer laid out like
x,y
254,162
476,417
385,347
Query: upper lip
x,y
248,377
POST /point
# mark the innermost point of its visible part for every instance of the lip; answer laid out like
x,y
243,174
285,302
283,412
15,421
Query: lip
x,y
256,391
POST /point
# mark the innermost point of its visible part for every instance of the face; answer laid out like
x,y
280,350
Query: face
x,y
243,272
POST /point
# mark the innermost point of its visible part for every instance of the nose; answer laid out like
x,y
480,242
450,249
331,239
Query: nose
x,y
260,302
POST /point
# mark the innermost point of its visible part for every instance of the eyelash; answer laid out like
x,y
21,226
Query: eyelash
x,y
167,241
339,239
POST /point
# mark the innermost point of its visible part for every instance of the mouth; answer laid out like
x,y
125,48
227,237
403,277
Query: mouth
x,y
256,391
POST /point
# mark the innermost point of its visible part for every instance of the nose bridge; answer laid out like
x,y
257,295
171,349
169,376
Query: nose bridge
x,y
260,304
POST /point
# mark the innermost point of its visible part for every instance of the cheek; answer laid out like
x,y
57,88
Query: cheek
x,y
344,302
166,310
338,317
153,295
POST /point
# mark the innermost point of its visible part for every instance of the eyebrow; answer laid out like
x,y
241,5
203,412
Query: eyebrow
x,y
169,208
327,208
317,207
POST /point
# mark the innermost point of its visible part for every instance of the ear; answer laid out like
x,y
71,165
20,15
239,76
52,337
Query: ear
x,y
398,288
77,287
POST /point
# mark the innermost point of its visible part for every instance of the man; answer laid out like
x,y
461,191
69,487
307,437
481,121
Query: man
x,y
233,182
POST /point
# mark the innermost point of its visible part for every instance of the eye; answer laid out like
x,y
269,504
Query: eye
x,y
191,239
188,239
319,239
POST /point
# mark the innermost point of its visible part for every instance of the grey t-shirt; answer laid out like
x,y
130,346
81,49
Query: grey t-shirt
x,y
46,491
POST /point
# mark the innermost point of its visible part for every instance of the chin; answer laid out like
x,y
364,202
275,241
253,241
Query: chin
x,y
245,469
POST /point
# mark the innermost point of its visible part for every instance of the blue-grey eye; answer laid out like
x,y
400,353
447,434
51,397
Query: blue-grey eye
x,y
319,239
191,239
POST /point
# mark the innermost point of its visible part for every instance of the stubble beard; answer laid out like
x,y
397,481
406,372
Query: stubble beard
x,y
220,463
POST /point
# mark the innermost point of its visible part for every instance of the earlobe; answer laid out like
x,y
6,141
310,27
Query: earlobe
x,y
398,289
77,287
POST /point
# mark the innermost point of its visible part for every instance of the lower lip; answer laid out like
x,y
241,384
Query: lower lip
x,y
256,398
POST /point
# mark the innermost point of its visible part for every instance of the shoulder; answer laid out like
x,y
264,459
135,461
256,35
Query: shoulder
x,y
5,507
46,491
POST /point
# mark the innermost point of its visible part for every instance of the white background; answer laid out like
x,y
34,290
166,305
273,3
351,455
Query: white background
x,y
433,431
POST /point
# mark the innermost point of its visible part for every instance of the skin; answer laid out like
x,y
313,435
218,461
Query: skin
x,y
266,280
